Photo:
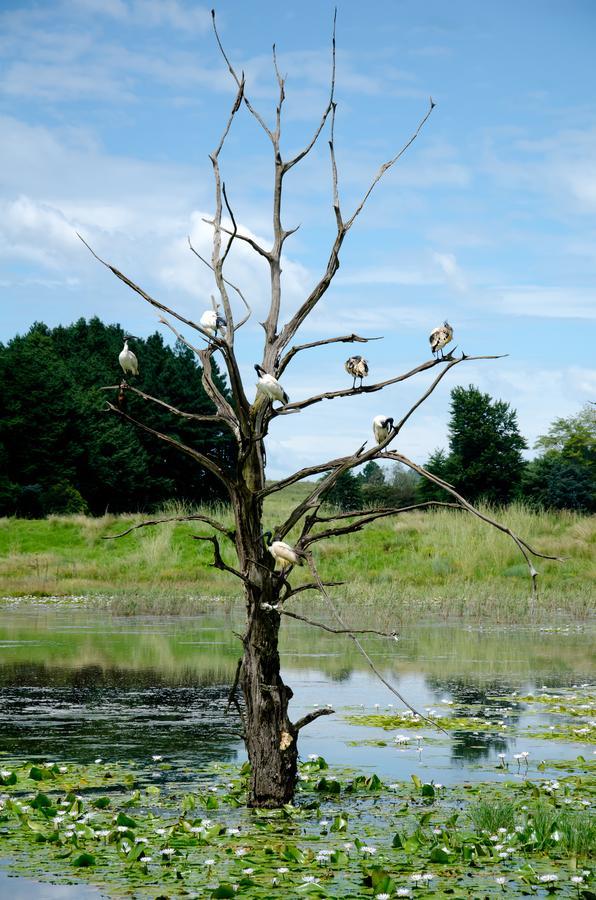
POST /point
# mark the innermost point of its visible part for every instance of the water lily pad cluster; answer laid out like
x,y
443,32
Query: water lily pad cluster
x,y
348,835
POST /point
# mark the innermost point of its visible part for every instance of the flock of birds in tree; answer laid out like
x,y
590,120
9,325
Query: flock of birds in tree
x,y
269,386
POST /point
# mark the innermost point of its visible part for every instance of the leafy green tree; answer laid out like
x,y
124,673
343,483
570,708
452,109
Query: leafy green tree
x,y
485,460
372,474
61,452
563,476
346,493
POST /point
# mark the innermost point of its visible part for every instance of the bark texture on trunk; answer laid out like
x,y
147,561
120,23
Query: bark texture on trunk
x,y
269,735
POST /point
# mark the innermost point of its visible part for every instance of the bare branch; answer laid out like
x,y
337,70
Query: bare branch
x,y
232,698
525,548
311,716
343,339
366,518
198,457
386,634
389,164
238,81
382,511
291,327
143,294
229,283
218,562
330,105
195,517
334,179
218,399
196,417
290,408
309,586
241,237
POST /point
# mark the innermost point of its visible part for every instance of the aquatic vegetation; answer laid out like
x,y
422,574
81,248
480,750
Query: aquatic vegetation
x,y
349,834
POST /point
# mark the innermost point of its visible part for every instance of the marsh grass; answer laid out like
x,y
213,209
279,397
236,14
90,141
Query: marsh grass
x,y
490,816
421,565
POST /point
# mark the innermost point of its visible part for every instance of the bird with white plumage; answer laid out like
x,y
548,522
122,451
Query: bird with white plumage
x,y
270,386
382,428
127,359
211,322
440,337
283,552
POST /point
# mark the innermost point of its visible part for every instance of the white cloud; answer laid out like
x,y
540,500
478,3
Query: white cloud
x,y
452,271
545,302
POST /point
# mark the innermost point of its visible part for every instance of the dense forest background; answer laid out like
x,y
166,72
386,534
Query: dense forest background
x,y
61,452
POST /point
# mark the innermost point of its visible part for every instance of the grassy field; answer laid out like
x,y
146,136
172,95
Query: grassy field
x,y
442,564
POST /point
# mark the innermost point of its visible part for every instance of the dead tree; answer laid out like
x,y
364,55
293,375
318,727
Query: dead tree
x,y
269,733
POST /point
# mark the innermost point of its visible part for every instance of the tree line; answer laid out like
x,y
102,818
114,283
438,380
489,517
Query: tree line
x,y
485,462
60,452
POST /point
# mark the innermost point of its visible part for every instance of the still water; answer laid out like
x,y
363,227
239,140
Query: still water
x,y
79,684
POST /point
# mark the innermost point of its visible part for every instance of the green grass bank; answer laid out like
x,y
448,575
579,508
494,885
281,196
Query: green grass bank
x,y
420,565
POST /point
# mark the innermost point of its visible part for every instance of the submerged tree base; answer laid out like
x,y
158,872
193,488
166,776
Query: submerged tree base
x,y
349,835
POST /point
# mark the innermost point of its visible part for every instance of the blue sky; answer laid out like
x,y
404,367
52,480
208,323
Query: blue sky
x,y
109,109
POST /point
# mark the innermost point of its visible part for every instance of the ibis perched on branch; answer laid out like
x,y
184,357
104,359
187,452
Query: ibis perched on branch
x,y
127,359
211,322
382,428
440,337
284,552
270,386
357,367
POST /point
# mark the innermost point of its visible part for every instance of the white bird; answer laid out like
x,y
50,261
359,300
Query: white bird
x,y
127,359
284,552
440,337
382,427
357,367
270,386
211,322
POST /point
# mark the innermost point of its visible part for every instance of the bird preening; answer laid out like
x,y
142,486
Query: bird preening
x,y
127,359
288,555
357,367
440,337
270,386
382,428
211,322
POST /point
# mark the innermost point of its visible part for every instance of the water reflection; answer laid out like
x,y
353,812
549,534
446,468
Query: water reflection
x,y
77,685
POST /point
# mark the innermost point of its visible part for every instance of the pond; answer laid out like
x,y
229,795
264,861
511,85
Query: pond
x,y
80,685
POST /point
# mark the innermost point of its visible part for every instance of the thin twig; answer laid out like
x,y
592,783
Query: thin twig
x,y
229,283
311,717
361,649
218,562
343,339
386,634
195,517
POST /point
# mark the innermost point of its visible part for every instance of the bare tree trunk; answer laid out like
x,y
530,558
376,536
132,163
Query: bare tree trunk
x,y
269,734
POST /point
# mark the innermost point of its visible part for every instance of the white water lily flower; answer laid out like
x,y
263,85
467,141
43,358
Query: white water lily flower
x,y
156,758
577,879
370,850
5,773
168,851
98,760
233,831
141,840
283,870
403,892
416,877
209,862
548,878
63,769
382,896
500,879
145,859
160,831
68,834
247,871
310,879
241,851
348,845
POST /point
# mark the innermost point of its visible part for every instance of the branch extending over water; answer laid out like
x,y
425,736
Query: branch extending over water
x,y
195,517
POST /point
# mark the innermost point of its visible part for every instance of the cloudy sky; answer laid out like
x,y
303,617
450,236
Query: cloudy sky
x,y
109,109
